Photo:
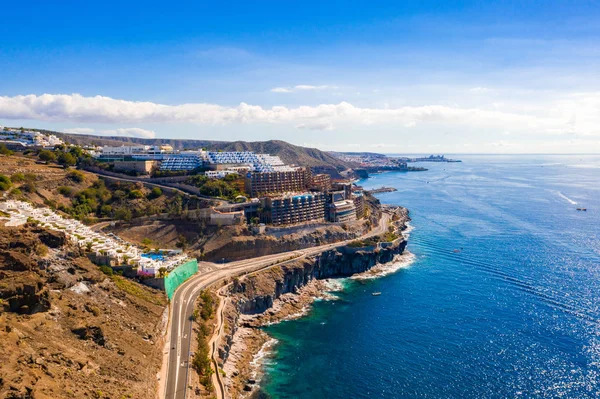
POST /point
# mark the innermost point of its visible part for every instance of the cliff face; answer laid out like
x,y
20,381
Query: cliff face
x,y
258,292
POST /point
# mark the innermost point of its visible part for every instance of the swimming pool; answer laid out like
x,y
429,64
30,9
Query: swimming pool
x,y
154,256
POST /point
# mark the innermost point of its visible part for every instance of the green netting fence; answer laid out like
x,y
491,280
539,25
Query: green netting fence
x,y
178,275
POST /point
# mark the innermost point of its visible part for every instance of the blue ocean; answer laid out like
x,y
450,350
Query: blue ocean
x,y
501,299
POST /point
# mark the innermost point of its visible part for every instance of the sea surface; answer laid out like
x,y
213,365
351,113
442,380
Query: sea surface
x,y
501,299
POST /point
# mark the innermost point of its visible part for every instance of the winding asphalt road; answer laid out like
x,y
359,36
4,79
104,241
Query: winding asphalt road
x,y
182,305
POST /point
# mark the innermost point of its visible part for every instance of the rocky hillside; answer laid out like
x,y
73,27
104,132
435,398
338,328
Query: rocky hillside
x,y
69,331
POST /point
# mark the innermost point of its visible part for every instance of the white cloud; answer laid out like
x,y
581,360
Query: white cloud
x,y
131,132
281,90
328,126
540,120
80,130
127,132
297,88
480,90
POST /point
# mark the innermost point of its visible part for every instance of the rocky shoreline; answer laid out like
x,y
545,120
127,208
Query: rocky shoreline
x,y
286,292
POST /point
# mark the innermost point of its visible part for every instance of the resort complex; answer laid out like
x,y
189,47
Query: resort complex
x,y
283,194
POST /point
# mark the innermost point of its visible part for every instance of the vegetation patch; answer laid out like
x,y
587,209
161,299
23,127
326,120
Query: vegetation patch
x,y
201,361
227,188
136,290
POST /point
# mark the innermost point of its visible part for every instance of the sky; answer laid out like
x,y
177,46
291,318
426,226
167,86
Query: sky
x,y
391,77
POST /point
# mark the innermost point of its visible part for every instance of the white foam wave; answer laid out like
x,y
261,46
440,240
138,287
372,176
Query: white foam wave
x,y
326,296
335,284
566,198
301,313
406,232
400,262
260,359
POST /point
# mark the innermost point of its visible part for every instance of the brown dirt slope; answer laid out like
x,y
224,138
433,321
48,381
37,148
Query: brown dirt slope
x,y
69,331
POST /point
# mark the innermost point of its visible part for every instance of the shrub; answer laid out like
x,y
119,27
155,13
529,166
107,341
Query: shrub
x,y
5,151
41,250
123,214
76,175
30,177
47,156
106,270
155,193
66,159
66,191
106,210
29,187
17,178
135,194
5,183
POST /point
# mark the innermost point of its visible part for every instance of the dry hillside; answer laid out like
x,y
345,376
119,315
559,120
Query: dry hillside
x,y
69,331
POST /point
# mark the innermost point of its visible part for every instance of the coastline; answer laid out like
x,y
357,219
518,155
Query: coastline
x,y
244,351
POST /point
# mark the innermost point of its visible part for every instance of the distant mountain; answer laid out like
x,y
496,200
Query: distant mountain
x,y
317,160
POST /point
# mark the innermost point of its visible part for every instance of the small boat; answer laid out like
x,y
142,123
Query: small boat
x,y
376,293
456,251
582,209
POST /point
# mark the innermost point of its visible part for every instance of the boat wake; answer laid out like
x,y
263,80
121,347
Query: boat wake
x,y
400,262
552,297
566,198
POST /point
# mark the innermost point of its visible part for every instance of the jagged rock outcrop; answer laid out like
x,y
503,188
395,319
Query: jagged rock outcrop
x,y
28,298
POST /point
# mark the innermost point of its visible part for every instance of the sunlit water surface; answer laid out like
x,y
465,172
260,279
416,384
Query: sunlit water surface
x,y
515,313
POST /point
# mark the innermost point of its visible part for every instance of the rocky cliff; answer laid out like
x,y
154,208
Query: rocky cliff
x,y
258,292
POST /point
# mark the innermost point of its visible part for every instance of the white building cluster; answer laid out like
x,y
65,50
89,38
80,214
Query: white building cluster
x,y
219,163
27,138
246,159
100,244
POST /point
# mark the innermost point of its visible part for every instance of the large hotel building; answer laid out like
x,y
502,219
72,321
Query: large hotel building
x,y
291,209
266,183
